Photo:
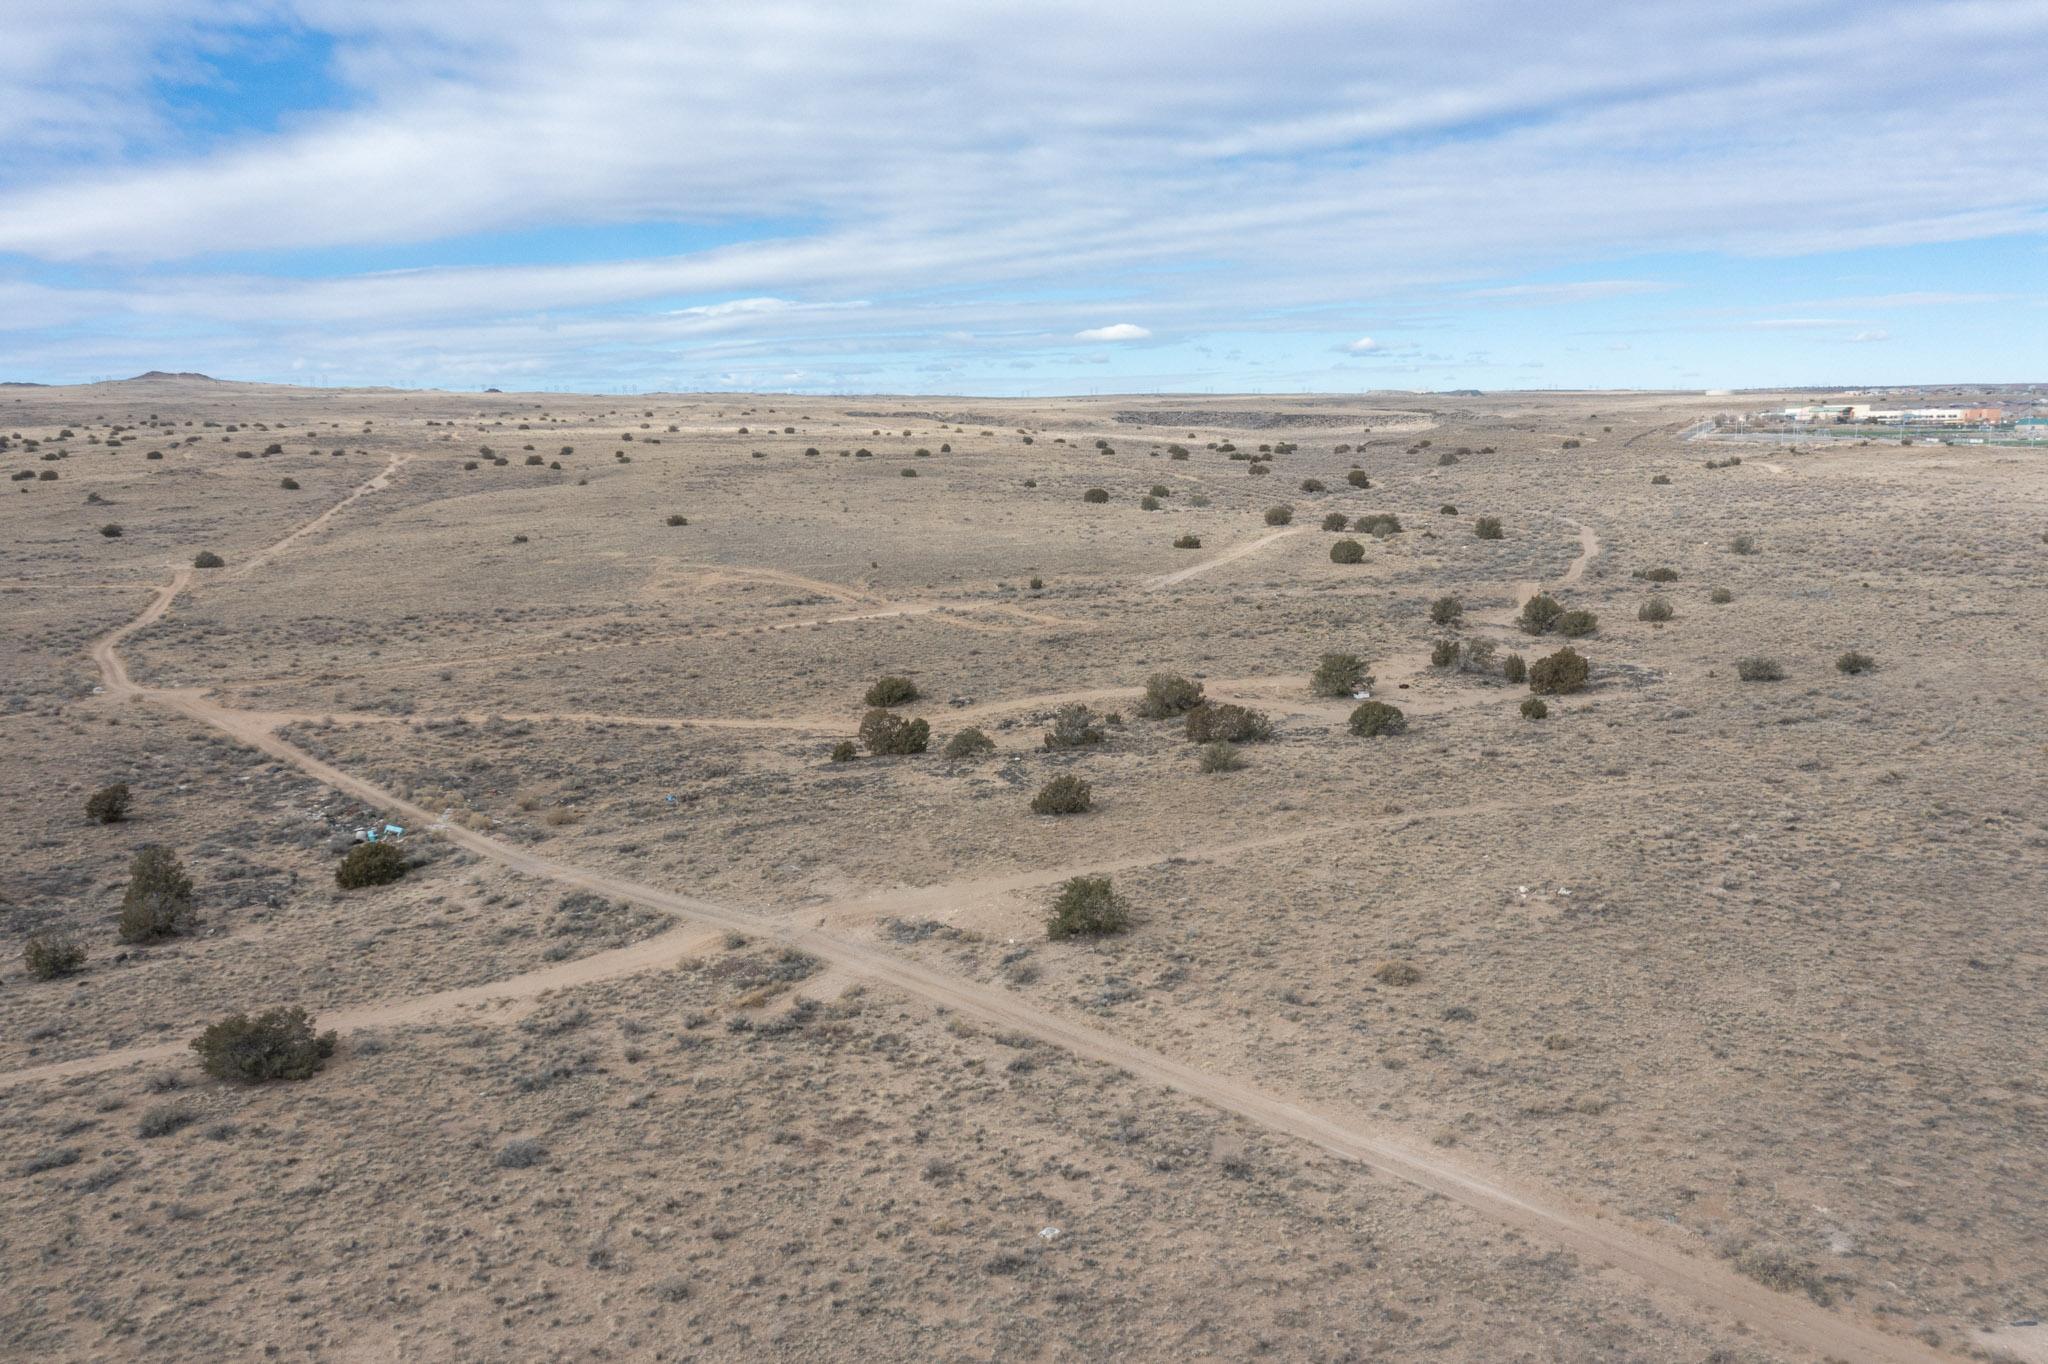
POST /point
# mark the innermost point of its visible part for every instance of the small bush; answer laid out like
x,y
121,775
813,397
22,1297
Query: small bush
x,y
1560,673
884,732
290,485
278,1044
108,805
1447,509
1577,624
678,519
164,1119
1379,524
891,691
1443,653
1488,528
1096,495
1515,668
1063,795
1533,708
1357,479
1073,726
1221,756
50,955
1397,973
1446,610
1539,614
158,901
1214,720
1374,719
206,558
1187,542
1720,596
1759,670
1148,503
1087,906
1660,480
1339,675
1336,521
371,864
1657,575
969,743
1742,544
1279,516
1168,695
1347,552
1656,610
908,473
520,1154
111,531
844,751
1854,662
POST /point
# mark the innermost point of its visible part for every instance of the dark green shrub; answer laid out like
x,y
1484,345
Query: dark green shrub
x,y
278,1044
1339,675
536,460
1660,480
1533,708
1373,719
1087,907
1096,495
1073,726
1279,516
1488,528
111,531
1853,662
290,485
50,955
1148,503
1515,668
1759,670
163,1119
1539,614
1221,756
1381,524
1656,610
1336,521
1397,973
1161,490
1443,653
908,473
208,559
1168,695
1657,575
1447,509
1357,479
844,751
1446,610
108,805
1473,656
1213,720
1577,624
891,691
884,732
1187,542
371,864
1314,485
158,901
1559,674
678,519
1063,795
1742,544
1720,596
1347,552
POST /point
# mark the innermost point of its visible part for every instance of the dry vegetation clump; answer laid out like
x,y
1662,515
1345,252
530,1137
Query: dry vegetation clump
x,y
1853,662
1187,542
1376,719
158,901
1220,756
1168,695
278,1044
1559,674
1757,668
1335,521
371,864
1577,624
1397,973
108,805
1087,907
1656,610
1488,528
1533,708
885,733
845,751
1720,596
48,955
970,742
1339,675
891,691
1347,552
1539,614
206,558
1074,726
1063,795
1214,720
1378,524
1096,495
1279,516
1446,610
1514,668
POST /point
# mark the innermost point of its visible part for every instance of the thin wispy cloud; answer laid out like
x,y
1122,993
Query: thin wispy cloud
x,y
611,193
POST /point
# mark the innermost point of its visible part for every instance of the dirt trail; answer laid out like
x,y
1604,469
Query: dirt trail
x,y
1548,1216
1228,556
376,483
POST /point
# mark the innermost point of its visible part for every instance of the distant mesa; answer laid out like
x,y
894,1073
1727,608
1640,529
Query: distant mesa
x,y
167,374
494,390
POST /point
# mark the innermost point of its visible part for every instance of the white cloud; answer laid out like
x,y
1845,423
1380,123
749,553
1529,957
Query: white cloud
x,y
1118,331
1875,334
1364,345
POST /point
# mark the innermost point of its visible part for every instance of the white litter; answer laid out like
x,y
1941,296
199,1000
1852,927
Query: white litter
x,y
1049,1233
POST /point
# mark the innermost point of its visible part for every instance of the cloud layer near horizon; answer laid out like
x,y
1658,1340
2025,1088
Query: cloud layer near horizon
x,y
891,194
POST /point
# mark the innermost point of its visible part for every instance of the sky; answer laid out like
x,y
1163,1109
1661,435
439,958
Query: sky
x,y
1041,198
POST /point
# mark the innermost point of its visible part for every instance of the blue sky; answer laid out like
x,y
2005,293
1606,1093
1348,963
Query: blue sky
x,y
1026,198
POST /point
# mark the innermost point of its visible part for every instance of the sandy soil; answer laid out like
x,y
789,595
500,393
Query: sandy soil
x,y
1719,1024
